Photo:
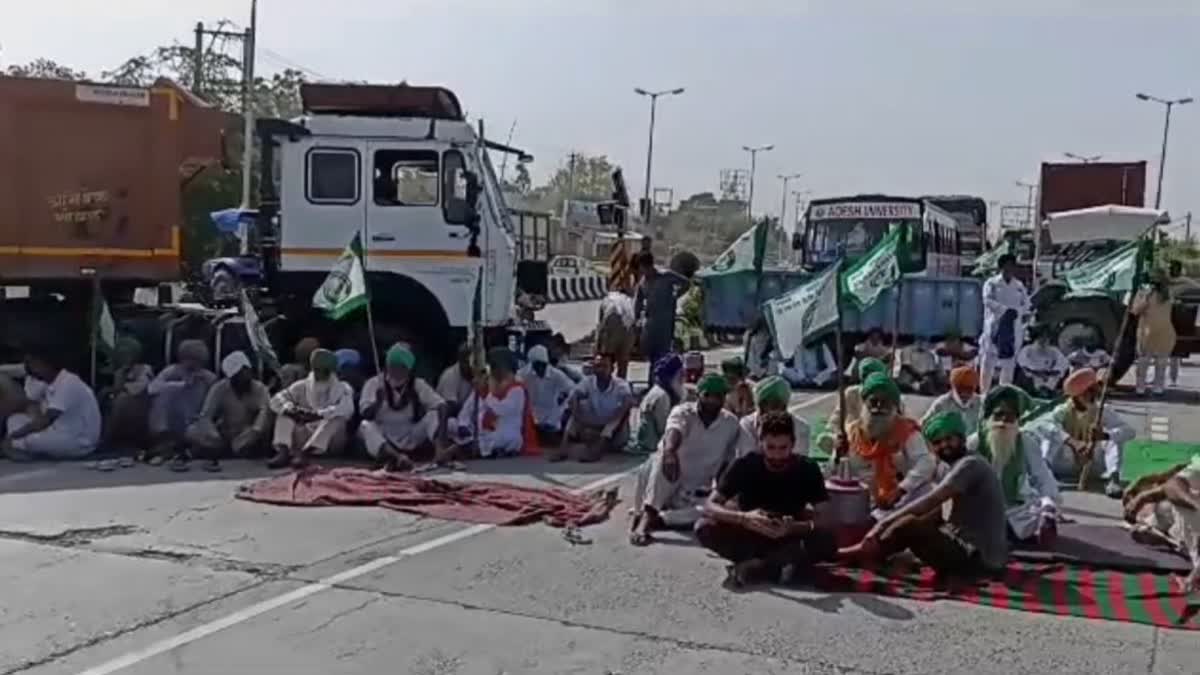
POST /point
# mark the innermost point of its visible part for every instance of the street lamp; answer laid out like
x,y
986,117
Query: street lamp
x,y
1086,159
783,209
650,144
1162,158
753,165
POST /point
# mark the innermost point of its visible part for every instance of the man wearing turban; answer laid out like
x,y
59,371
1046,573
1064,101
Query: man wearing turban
x,y
298,369
701,439
176,396
1031,496
402,415
963,398
885,449
666,393
771,395
853,396
740,399
311,415
500,412
1074,433
973,539
236,417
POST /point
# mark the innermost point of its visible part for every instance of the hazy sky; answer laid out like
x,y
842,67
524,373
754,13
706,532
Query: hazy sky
x,y
929,99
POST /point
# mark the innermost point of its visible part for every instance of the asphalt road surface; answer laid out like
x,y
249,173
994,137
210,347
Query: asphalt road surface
x,y
144,571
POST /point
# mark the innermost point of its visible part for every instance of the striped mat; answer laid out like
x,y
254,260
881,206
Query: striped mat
x,y
1061,590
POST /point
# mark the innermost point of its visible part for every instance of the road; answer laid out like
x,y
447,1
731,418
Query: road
x,y
142,571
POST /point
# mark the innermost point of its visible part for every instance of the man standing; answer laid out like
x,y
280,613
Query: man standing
x,y
1005,305
974,539
771,395
655,306
311,415
1031,496
63,418
236,416
1043,365
885,449
1075,433
548,389
761,516
614,329
402,416
963,398
701,440
599,421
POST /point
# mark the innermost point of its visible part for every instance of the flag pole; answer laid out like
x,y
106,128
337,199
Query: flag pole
x,y
95,331
841,369
370,314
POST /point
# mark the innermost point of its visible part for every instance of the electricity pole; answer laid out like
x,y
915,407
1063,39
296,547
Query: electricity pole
x,y
1162,158
648,214
753,166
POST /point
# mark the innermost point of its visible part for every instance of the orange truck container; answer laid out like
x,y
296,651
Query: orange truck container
x,y
91,178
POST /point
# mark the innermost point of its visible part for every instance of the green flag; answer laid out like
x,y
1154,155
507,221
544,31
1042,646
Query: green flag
x,y
106,328
1118,272
345,289
876,271
985,265
746,253
800,314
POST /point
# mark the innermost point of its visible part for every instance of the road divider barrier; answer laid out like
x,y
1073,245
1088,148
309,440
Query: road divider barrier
x,y
575,289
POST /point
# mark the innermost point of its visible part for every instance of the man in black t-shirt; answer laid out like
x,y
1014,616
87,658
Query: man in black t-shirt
x,y
761,516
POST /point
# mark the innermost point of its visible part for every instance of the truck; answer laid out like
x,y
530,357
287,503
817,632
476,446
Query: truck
x,y
400,167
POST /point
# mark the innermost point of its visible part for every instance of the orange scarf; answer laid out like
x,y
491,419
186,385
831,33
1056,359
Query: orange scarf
x,y
881,454
529,435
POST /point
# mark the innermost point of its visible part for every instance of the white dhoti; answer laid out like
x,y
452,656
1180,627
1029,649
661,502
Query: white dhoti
x,y
678,503
1026,519
989,362
1180,526
374,435
1064,465
53,442
316,437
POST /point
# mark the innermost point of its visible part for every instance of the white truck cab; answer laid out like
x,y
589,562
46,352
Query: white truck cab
x,y
401,167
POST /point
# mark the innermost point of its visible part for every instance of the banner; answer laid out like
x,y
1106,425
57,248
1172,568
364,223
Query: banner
x,y
878,270
345,289
800,314
1117,272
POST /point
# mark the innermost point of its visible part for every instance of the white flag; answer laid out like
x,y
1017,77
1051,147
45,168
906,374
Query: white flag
x,y
800,314
345,289
258,335
106,328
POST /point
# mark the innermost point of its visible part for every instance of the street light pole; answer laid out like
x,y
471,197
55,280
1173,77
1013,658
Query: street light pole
x,y
753,167
650,145
1162,158
783,210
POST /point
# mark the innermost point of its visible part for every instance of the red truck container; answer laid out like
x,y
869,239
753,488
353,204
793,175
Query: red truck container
x,y
1068,186
91,176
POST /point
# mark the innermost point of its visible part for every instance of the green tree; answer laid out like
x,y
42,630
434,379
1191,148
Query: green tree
x,y
578,176
46,69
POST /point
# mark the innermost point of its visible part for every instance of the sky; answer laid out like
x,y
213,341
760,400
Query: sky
x,y
936,97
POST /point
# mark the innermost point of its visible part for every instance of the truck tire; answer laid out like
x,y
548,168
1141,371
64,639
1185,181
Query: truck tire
x,y
1101,317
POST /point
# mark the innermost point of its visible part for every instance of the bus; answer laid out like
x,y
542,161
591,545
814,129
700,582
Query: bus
x,y
971,214
850,226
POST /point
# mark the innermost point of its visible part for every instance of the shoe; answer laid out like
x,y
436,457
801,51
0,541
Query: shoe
x,y
1113,489
179,464
212,466
281,460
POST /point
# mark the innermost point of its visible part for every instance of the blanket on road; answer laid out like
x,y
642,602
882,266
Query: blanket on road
x,y
1061,590
481,502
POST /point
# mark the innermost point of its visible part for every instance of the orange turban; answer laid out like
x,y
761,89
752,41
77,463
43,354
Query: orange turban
x,y
1080,381
964,377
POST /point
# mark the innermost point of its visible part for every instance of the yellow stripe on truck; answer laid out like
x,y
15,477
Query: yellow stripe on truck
x,y
97,252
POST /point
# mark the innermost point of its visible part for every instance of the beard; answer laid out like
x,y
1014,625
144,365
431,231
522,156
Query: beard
x,y
876,426
1002,439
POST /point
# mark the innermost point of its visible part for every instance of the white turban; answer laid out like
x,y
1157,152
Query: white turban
x,y
538,354
234,362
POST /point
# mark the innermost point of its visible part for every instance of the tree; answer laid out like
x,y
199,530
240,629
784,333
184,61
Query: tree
x,y
578,176
46,69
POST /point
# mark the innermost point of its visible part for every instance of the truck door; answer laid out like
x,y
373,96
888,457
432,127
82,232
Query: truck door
x,y
317,228
416,201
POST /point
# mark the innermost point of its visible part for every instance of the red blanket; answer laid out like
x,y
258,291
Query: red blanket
x,y
473,502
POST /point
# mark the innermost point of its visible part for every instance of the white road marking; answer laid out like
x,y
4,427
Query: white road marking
x,y
812,401
1160,429
245,614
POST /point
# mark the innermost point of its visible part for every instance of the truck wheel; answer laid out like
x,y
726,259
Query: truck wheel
x,y
1092,318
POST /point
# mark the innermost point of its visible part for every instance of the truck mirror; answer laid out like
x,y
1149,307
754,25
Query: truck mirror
x,y
797,241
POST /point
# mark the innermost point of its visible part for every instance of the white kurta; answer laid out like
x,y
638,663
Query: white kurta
x,y
1180,525
548,395
1038,490
702,453
1051,429
1000,296
1045,366
948,402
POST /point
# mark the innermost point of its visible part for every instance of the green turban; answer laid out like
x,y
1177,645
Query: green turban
x,y
734,365
713,383
773,389
400,356
868,366
323,359
1006,394
879,384
943,424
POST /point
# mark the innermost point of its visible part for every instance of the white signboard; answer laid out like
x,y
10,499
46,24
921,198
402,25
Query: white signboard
x,y
866,211
131,96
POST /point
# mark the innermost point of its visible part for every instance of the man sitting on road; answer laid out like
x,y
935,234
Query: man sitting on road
x,y
761,517
1171,517
311,415
504,418
873,347
236,416
853,401
126,404
1031,494
599,421
297,370
772,395
402,416
177,395
953,352
963,398
701,440
62,419
885,449
656,405
1042,365
1087,353
919,369
740,400
973,540
1074,433
548,389
813,366
457,381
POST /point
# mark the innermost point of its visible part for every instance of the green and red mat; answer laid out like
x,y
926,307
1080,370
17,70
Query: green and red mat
x,y
1057,589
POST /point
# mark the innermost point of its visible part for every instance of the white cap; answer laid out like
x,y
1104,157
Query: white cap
x,y
538,354
234,362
